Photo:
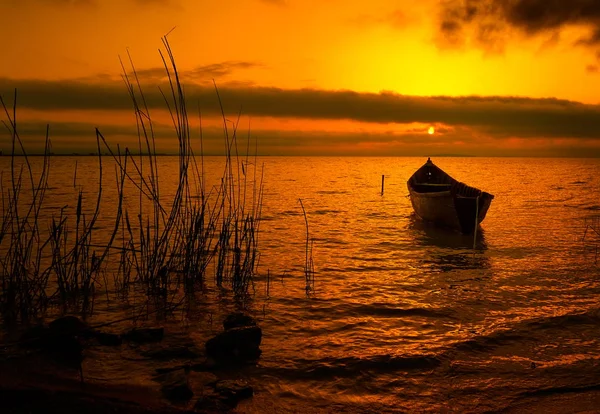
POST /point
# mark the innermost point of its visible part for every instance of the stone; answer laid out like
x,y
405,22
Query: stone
x,y
233,391
34,337
212,402
208,364
203,378
108,339
237,344
144,335
238,320
175,386
202,382
68,325
166,370
172,352
65,349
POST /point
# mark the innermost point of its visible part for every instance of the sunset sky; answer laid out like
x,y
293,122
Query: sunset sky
x,y
327,77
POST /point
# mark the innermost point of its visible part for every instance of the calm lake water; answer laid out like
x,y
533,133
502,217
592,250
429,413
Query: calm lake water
x,y
404,317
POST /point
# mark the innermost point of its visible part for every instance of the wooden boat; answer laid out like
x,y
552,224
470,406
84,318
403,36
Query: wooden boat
x,y
439,198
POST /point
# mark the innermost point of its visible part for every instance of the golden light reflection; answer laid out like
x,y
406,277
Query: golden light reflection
x,y
388,50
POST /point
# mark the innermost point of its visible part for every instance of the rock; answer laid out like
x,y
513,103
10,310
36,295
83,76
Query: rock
x,y
175,386
108,339
241,344
238,320
144,335
172,352
202,379
34,337
208,364
65,349
203,382
238,389
61,347
68,325
233,391
212,402
166,370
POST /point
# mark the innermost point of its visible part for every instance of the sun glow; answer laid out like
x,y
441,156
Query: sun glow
x,y
431,130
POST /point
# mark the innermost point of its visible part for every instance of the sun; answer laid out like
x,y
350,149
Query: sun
x,y
431,130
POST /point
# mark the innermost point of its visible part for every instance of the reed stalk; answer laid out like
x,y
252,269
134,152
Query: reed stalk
x,y
166,244
309,267
591,236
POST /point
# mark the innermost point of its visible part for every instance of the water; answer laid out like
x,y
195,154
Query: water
x,y
407,317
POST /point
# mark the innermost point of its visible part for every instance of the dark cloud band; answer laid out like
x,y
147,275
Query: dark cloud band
x,y
519,117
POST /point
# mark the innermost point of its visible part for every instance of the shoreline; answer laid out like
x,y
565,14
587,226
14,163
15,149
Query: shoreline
x,y
31,383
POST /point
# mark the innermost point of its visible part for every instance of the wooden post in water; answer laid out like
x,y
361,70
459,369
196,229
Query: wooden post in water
x,y
75,175
476,222
382,182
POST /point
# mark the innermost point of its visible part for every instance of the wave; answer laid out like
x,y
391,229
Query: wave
x,y
291,213
560,390
488,342
591,317
332,192
593,207
380,309
526,330
324,212
353,366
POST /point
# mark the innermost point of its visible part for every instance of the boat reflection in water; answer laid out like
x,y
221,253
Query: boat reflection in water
x,y
448,250
428,234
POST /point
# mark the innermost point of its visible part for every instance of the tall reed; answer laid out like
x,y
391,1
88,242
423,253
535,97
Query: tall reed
x,y
39,267
197,226
164,244
591,236
309,265
23,278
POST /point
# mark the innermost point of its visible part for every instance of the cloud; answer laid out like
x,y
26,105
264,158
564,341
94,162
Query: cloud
x,y
64,3
94,3
275,2
150,2
398,19
172,4
79,129
493,20
69,137
200,74
492,115
217,70
79,137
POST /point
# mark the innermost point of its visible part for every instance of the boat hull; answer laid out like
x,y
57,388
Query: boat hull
x,y
438,198
447,210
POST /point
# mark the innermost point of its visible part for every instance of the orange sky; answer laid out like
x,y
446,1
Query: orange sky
x,y
449,50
